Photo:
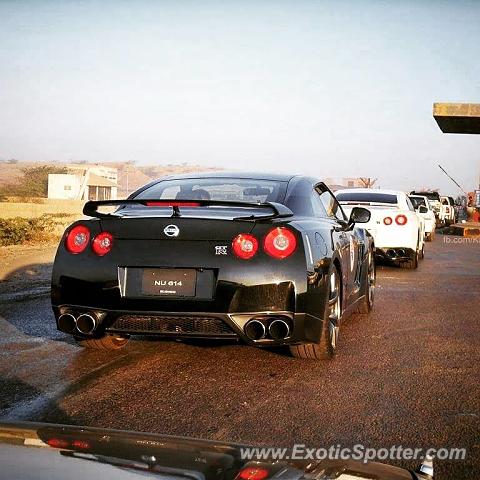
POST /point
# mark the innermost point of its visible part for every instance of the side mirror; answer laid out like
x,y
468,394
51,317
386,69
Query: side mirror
x,y
359,215
422,209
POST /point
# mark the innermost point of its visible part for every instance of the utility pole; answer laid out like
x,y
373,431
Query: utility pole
x,y
452,179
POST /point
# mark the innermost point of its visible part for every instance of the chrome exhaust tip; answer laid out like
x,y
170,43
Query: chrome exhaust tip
x,y
86,323
401,252
391,253
255,330
279,329
67,323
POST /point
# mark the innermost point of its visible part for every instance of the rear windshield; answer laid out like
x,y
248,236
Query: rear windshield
x,y
417,202
367,197
430,195
229,189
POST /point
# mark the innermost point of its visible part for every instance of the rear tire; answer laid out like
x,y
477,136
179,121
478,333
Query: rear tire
x,y
108,342
325,348
422,252
366,304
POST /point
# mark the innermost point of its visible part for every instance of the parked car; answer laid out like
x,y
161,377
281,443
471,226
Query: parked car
x,y
422,207
267,259
394,224
436,204
450,213
43,451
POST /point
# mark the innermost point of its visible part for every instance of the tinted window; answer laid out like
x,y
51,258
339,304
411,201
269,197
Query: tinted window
x,y
417,201
230,189
430,195
367,197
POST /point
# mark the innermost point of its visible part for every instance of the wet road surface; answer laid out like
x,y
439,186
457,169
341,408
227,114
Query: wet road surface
x,y
408,374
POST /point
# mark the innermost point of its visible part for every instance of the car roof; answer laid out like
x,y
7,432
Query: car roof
x,y
279,177
371,190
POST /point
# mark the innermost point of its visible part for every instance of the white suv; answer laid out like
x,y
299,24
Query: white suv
x,y
424,210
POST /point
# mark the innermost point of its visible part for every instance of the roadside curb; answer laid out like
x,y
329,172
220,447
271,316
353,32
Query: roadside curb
x,y
25,294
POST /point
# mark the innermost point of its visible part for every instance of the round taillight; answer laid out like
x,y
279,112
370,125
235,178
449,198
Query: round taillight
x,y
253,473
245,246
102,243
77,239
280,242
401,219
387,221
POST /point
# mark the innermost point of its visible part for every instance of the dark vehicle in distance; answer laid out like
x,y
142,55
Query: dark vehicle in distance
x,y
267,259
36,451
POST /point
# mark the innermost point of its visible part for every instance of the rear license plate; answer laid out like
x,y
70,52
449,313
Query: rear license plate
x,y
169,282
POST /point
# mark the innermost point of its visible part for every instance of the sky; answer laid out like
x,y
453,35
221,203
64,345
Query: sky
x,y
324,88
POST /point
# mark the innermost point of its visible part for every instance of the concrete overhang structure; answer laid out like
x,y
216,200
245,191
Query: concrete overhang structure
x,y
457,117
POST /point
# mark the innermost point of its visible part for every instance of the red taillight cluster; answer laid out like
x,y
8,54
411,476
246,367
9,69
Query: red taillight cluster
x,y
245,246
399,220
278,243
102,243
78,239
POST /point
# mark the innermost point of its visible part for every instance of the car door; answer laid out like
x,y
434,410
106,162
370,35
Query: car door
x,y
346,240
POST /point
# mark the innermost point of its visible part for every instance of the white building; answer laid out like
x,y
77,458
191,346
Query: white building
x,y
84,183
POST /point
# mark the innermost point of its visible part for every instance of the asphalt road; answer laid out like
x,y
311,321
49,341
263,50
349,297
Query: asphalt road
x,y
408,374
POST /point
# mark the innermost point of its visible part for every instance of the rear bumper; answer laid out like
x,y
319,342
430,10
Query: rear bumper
x,y
303,327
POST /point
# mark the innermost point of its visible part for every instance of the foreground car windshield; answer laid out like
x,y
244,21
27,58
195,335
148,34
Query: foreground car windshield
x,y
223,189
367,197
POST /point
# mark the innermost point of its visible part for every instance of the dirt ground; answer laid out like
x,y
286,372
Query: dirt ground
x,y
25,268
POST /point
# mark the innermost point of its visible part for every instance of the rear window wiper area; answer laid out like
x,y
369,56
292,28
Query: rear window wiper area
x,y
278,210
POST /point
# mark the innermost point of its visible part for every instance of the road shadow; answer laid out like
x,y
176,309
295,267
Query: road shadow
x,y
17,397
26,279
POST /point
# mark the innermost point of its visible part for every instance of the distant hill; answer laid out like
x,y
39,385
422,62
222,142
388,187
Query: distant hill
x,y
130,176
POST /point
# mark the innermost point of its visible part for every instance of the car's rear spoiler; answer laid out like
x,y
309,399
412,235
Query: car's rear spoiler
x,y
278,210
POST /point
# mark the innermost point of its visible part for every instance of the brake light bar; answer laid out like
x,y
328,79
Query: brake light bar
x,y
172,204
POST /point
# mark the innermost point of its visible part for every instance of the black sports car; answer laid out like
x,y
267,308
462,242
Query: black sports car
x,y
267,259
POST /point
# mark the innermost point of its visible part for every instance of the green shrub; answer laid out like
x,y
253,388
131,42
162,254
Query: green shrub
x,y
21,230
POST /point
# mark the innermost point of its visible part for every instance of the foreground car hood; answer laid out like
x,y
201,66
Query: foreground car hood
x,y
45,451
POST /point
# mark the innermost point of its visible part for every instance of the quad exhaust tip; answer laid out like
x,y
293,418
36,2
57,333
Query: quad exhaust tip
x,y
67,323
86,323
279,329
391,253
255,330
